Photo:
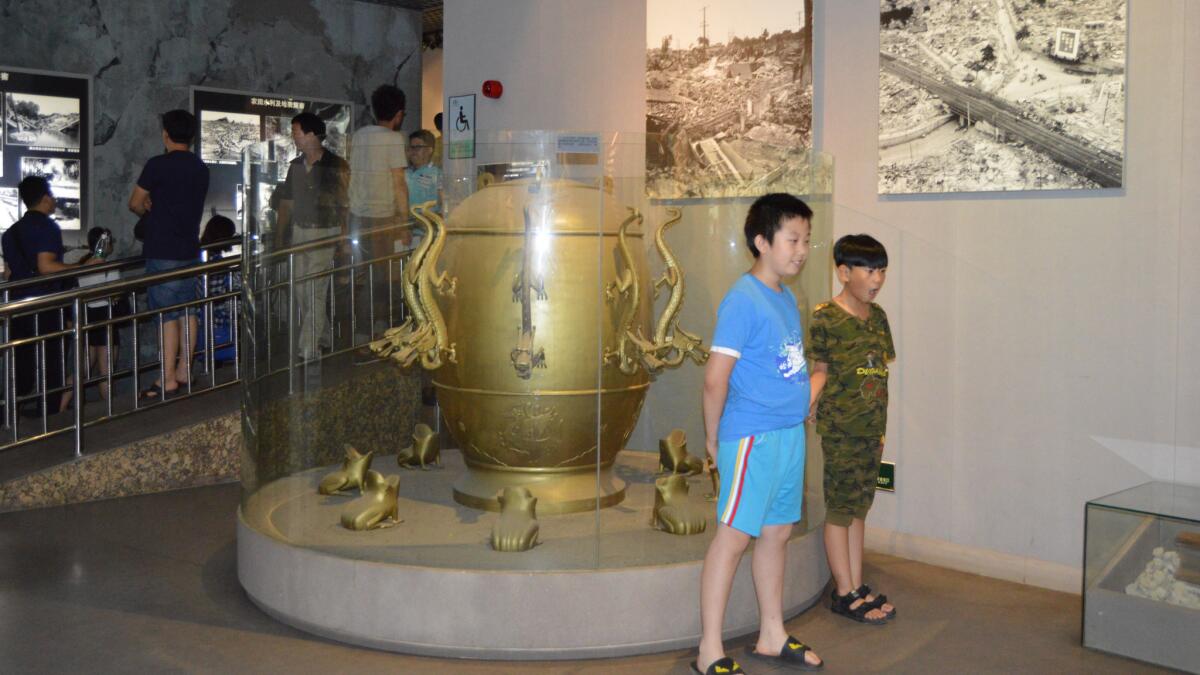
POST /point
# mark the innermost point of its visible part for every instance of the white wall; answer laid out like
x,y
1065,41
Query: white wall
x,y
565,64
1044,339
1188,379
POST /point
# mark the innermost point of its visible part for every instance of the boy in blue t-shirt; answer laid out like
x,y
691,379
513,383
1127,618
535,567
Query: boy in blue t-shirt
x,y
756,394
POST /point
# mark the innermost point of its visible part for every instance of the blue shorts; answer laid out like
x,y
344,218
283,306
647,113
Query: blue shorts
x,y
762,480
173,292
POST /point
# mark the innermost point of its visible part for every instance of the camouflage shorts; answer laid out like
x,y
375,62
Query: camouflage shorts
x,y
851,469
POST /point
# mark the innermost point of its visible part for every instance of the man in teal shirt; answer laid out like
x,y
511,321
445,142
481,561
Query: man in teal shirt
x,y
424,177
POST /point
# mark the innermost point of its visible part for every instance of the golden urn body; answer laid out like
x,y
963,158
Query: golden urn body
x,y
538,312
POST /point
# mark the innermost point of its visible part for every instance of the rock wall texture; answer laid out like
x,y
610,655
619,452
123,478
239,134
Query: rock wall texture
x,y
199,454
145,55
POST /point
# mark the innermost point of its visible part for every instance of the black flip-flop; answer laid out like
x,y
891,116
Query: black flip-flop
x,y
791,656
722,666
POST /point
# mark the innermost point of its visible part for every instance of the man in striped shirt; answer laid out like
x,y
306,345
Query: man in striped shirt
x,y
756,396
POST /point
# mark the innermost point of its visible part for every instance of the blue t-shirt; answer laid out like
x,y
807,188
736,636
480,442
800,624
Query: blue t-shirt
x,y
423,183
34,233
769,385
177,183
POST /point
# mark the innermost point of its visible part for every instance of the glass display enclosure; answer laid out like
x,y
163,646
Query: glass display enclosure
x,y
1141,588
520,365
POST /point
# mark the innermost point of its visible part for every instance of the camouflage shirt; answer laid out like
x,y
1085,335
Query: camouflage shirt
x,y
854,401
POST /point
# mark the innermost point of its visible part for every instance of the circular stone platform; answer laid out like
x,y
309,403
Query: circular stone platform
x,y
598,584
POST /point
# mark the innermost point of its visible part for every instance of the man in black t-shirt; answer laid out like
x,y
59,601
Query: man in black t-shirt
x,y
313,204
33,247
169,196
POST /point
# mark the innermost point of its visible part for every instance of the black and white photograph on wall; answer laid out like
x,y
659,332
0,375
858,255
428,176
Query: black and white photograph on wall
x,y
225,134
728,96
67,212
270,117
278,130
41,121
337,127
1001,95
264,208
10,207
46,133
63,174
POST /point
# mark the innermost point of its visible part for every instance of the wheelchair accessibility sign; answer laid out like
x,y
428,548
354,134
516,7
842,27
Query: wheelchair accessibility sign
x,y
460,131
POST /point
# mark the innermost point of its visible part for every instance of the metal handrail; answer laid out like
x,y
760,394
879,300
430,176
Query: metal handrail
x,y
326,241
119,286
111,265
116,287
73,302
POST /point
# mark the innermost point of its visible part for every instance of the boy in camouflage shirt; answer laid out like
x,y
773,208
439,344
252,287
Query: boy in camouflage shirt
x,y
850,344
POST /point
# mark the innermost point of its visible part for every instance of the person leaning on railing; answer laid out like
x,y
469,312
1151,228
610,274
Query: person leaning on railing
x,y
33,247
100,245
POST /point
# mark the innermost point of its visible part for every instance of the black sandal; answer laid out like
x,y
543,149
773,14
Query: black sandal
x,y
791,656
842,605
879,601
722,665
155,393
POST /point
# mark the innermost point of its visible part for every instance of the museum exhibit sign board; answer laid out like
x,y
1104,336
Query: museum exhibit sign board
x,y
231,121
47,132
728,96
1001,96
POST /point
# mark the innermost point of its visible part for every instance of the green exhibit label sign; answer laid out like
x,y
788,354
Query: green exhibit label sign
x,y
887,477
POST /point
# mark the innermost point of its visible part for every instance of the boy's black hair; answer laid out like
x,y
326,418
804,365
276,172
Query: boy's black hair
x,y
767,213
217,229
860,250
423,134
180,126
32,189
437,122
310,124
386,101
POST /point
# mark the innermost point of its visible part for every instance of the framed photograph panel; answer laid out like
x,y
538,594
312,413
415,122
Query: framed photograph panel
x,y
729,96
1001,97
230,121
46,132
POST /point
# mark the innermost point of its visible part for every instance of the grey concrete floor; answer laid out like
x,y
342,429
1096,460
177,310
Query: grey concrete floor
x,y
149,584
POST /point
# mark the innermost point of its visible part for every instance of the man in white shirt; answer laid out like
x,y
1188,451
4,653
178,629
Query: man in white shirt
x,y
378,190
378,196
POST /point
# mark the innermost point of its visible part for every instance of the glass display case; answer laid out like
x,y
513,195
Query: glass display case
x,y
499,397
1141,588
